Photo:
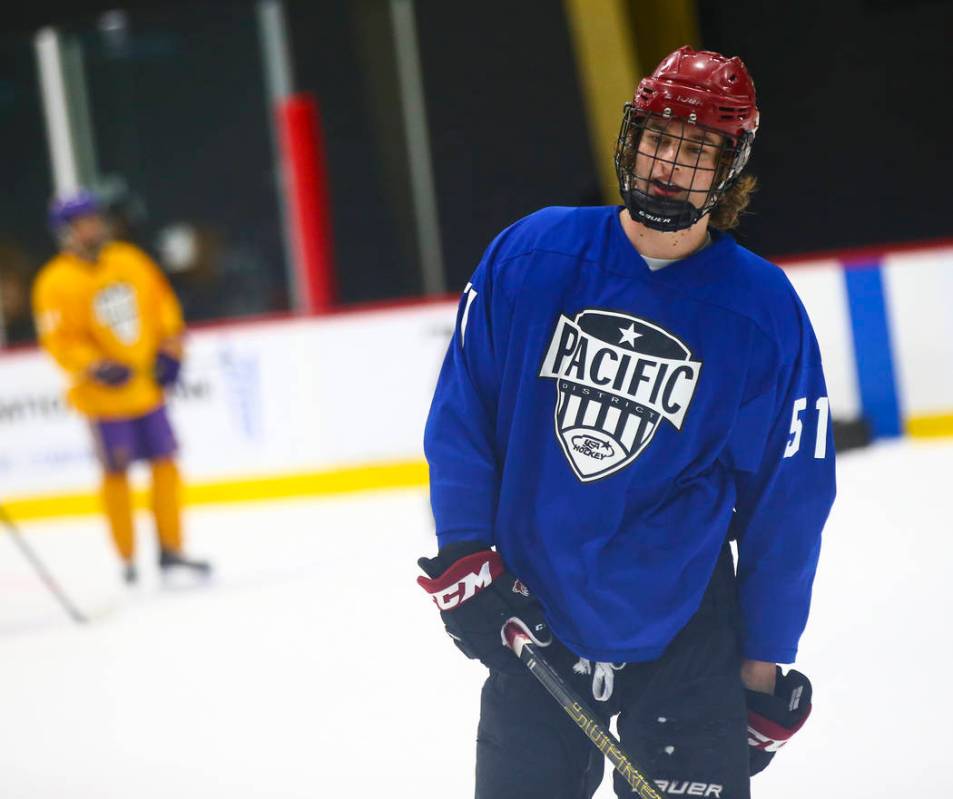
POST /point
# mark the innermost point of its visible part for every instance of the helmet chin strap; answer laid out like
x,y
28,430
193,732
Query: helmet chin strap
x,y
660,213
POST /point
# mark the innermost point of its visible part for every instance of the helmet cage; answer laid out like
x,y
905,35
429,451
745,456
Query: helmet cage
x,y
667,150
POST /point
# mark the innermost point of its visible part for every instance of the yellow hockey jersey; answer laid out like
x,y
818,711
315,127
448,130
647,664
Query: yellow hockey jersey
x,y
119,308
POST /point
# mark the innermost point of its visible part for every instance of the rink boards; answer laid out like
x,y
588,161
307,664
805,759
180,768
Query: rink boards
x,y
271,409
300,407
885,328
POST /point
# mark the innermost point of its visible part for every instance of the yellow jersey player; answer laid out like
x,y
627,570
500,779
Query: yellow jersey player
x,y
109,318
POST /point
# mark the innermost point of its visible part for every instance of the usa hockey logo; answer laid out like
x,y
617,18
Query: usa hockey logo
x,y
617,378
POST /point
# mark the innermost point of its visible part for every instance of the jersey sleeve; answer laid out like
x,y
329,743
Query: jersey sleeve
x,y
460,435
783,501
170,323
59,327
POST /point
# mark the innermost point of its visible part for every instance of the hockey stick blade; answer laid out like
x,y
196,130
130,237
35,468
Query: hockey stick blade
x,y
578,711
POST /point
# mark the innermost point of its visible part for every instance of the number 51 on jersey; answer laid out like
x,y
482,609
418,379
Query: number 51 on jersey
x,y
820,444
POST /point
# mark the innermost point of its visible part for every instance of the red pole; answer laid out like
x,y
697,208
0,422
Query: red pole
x,y
307,199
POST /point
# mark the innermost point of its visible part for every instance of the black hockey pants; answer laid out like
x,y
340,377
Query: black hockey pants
x,y
681,717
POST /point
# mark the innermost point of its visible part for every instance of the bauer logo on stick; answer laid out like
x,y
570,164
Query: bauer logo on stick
x,y
617,377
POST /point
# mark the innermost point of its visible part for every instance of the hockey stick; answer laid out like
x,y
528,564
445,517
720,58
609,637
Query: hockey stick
x,y
41,570
578,711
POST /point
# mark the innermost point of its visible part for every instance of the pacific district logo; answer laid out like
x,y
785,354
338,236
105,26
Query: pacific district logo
x,y
617,377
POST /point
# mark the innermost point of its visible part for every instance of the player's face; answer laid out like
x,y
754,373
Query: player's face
x,y
677,161
89,232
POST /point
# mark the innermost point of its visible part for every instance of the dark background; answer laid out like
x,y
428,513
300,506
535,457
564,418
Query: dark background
x,y
853,148
855,119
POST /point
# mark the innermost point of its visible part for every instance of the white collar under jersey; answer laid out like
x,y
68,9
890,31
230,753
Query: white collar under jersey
x,y
660,263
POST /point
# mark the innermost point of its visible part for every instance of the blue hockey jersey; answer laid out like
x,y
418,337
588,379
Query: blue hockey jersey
x,y
604,425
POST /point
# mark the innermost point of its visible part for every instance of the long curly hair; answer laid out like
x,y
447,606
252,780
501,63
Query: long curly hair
x,y
727,213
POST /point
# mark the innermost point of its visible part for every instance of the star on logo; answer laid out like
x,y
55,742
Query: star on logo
x,y
629,335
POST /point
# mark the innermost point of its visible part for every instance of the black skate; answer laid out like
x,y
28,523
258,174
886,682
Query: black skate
x,y
130,575
176,567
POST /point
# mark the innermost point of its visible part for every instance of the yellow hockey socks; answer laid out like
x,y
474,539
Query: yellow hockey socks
x,y
117,503
167,504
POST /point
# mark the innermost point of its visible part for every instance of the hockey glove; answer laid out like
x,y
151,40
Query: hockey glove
x,y
166,369
110,373
476,597
774,718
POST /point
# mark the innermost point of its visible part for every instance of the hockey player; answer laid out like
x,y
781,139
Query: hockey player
x,y
626,391
106,314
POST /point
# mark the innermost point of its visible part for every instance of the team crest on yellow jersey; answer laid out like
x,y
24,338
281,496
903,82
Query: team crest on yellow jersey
x,y
115,307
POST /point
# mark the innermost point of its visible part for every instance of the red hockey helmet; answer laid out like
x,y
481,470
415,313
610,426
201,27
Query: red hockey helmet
x,y
704,90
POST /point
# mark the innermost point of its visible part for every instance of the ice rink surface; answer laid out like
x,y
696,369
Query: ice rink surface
x,y
313,666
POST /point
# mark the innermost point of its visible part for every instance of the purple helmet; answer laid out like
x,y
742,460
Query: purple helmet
x,y
66,208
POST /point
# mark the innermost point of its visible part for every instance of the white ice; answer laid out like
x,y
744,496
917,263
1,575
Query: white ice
x,y
313,666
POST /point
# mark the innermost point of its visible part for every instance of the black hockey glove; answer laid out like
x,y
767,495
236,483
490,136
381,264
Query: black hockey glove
x,y
476,597
774,718
110,373
166,369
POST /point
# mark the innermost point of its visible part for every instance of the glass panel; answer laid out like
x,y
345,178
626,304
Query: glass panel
x,y
180,124
24,164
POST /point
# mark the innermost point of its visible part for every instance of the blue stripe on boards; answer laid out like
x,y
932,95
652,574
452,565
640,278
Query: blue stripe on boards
x,y
873,355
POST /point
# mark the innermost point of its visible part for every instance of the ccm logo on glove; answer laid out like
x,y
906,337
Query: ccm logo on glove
x,y
774,719
463,580
477,598
763,733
